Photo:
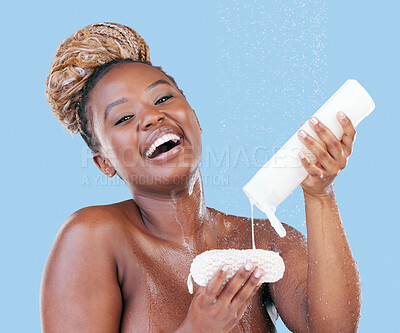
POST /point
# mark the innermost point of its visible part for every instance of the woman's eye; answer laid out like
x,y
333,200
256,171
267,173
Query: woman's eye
x,y
123,119
163,99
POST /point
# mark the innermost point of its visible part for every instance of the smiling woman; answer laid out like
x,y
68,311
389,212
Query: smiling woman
x,y
137,110
123,267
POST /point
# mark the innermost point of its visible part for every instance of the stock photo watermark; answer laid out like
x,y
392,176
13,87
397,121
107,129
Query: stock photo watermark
x,y
103,180
213,158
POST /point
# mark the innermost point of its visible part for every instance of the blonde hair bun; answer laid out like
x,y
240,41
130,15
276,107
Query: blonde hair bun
x,y
76,59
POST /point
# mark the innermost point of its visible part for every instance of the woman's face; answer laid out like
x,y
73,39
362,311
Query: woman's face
x,y
148,132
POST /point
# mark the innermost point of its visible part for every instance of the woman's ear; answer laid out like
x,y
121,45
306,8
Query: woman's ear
x,y
104,165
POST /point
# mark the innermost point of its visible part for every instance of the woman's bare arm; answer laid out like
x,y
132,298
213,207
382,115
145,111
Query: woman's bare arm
x,y
334,288
325,283
80,290
320,290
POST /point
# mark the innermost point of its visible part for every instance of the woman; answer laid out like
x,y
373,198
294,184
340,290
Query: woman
x,y
123,267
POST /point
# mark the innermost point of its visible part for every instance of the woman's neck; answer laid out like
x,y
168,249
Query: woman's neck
x,y
178,217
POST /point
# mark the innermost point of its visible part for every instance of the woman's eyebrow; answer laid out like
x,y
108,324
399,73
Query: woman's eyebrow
x,y
111,105
154,84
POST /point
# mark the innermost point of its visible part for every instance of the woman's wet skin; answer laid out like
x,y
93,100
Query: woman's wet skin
x,y
152,104
167,222
123,267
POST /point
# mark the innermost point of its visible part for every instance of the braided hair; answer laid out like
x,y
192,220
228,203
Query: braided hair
x,y
77,59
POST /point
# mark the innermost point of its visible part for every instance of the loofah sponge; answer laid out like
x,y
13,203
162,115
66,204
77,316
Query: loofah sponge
x,y
207,263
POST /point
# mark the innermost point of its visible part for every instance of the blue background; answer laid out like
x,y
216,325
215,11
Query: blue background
x,y
254,71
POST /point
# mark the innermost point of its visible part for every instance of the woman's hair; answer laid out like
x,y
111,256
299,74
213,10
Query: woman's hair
x,y
77,59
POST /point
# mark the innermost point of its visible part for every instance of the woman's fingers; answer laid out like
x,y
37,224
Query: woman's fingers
x,y
349,133
213,287
332,154
246,293
333,145
320,152
240,285
218,309
311,168
243,306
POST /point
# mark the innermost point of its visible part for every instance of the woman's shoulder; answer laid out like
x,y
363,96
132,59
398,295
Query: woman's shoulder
x,y
110,216
94,226
84,259
92,237
265,235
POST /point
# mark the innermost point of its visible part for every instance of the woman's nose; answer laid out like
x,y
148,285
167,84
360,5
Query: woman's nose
x,y
151,117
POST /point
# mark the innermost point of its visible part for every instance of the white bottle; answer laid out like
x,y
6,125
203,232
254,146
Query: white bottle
x,y
278,178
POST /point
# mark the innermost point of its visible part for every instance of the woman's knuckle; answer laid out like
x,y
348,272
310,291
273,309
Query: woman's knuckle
x,y
230,289
209,291
252,282
333,172
323,154
242,298
336,144
243,274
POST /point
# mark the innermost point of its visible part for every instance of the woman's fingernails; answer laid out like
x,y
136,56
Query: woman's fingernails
x,y
341,115
225,268
314,121
302,155
248,266
303,134
258,273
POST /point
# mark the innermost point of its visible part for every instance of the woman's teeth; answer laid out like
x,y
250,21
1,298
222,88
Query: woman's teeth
x,y
165,138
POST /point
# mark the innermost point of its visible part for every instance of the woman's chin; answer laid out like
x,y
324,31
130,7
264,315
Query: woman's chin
x,y
163,180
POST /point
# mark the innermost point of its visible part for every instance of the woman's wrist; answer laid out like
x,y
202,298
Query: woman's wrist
x,y
327,194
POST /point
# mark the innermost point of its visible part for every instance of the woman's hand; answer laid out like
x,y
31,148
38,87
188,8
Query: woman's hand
x,y
217,309
330,159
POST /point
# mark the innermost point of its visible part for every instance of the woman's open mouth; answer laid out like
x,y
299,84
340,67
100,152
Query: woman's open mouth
x,y
164,147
